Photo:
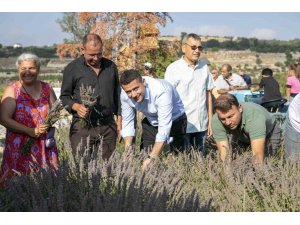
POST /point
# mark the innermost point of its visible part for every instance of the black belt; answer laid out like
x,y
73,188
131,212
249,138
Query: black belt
x,y
183,116
293,94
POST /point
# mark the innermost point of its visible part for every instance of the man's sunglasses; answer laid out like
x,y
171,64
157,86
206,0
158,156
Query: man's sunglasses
x,y
194,47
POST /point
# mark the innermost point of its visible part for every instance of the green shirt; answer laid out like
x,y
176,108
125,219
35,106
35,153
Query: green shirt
x,y
256,123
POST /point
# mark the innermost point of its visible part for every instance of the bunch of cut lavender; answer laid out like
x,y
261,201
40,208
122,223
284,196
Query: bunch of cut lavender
x,y
51,118
54,113
87,96
88,99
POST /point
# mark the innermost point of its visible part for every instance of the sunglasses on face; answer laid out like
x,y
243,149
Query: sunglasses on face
x,y
194,47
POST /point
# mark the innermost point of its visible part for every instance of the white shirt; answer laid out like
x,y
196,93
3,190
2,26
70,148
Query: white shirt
x,y
294,113
235,80
161,105
191,85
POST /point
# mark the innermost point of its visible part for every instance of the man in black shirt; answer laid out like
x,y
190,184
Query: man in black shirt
x,y
92,70
270,85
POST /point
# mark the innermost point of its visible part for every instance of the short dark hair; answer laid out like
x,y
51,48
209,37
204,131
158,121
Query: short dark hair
x,y
225,102
128,76
188,36
267,71
91,37
228,67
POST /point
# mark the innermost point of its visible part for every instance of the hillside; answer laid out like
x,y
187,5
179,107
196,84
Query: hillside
x,y
235,58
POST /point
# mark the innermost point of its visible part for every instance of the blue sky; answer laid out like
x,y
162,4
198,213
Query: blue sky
x,y
39,29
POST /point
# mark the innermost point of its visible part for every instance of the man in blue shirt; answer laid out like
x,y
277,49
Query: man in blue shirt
x,y
246,77
165,119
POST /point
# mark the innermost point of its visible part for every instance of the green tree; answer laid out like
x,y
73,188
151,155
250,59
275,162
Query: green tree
x,y
258,60
212,43
70,24
244,43
289,58
182,35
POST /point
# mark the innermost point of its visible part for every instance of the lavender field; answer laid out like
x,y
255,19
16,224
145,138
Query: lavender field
x,y
187,182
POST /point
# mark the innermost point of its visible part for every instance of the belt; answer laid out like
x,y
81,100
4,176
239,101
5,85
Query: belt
x,y
183,116
293,94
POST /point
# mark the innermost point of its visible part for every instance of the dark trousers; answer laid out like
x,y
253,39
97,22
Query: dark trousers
x,y
178,131
106,132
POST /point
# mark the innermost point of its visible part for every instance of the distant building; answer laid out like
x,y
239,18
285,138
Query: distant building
x,y
17,45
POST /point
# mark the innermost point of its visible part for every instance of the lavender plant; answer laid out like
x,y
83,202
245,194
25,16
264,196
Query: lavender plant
x,y
185,182
54,113
88,100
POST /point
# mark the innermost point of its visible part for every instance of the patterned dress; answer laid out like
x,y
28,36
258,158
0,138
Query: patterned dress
x,y
31,113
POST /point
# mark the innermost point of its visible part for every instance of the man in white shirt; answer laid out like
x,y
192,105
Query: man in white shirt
x,y
192,79
165,119
292,130
229,81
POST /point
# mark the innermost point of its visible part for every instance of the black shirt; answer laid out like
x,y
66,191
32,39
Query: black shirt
x,y
271,89
106,86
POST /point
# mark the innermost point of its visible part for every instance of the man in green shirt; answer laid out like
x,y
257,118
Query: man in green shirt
x,y
249,123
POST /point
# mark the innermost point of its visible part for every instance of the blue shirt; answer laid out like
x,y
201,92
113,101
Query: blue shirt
x,y
161,105
247,79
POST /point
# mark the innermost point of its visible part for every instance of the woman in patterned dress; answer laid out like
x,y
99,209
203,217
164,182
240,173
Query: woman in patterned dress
x,y
24,106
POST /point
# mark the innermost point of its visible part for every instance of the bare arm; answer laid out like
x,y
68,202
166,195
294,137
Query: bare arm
x,y
7,109
240,87
221,91
155,152
128,141
255,88
119,127
258,147
209,112
223,146
288,93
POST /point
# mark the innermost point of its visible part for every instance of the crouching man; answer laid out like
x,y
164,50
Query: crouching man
x,y
164,113
248,123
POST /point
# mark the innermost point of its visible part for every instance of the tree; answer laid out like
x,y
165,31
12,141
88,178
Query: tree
x,y
212,43
70,24
258,60
126,34
244,43
289,58
182,35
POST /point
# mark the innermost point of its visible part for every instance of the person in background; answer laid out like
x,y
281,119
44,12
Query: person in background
x,y
165,119
149,70
292,130
24,107
246,77
215,73
248,123
293,81
270,85
92,70
192,79
214,92
229,81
